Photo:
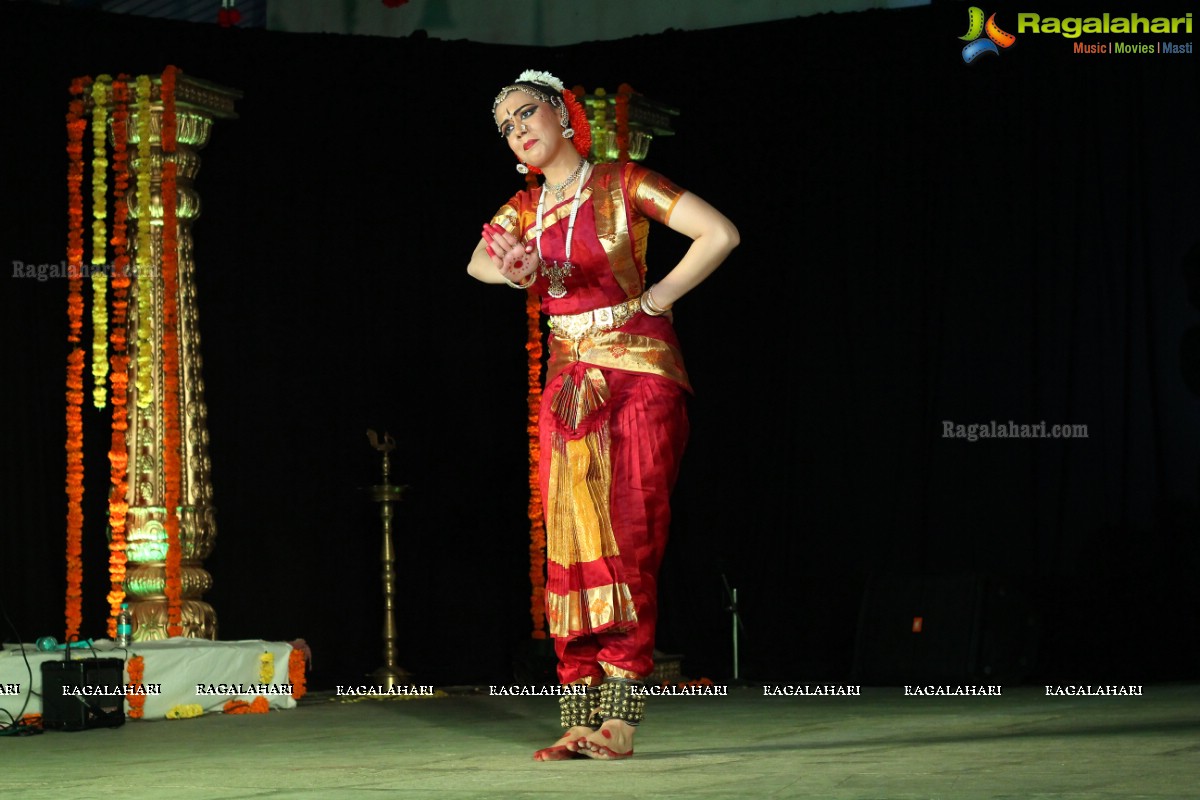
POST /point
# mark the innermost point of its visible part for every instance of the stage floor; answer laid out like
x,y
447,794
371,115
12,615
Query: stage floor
x,y
882,744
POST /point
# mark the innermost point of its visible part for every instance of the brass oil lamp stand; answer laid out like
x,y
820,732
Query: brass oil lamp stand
x,y
390,675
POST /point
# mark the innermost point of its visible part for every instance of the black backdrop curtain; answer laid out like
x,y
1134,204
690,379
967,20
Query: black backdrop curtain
x,y
923,241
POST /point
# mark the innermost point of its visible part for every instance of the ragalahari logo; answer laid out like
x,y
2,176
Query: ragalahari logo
x,y
976,27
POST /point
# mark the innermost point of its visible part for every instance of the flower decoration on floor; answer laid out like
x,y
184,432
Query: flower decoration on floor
x,y
257,706
266,667
187,711
136,698
296,678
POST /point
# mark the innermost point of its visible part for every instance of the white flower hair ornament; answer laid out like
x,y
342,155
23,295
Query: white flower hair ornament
x,y
544,78
528,82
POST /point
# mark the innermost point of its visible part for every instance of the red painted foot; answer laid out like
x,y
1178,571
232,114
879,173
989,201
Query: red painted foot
x,y
561,752
604,752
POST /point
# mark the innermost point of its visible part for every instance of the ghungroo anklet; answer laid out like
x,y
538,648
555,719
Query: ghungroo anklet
x,y
623,699
579,709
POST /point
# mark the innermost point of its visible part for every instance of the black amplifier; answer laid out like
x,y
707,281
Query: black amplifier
x,y
82,694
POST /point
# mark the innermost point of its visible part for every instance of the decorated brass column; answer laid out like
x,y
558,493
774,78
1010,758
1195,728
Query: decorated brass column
x,y
197,104
391,675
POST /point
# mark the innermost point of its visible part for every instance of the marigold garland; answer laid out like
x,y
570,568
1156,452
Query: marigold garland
x,y
118,455
578,120
74,613
172,438
75,359
259,705
537,528
296,674
170,130
134,696
266,667
145,278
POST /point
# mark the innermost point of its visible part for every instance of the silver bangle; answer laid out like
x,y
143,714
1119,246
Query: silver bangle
x,y
532,281
646,306
650,307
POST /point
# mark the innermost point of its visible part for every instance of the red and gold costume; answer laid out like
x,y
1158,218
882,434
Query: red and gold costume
x,y
613,422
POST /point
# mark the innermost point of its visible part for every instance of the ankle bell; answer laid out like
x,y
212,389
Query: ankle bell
x,y
623,699
579,707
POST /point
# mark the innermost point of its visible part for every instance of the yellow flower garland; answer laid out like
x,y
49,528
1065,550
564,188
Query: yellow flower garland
x,y
186,711
145,280
100,91
266,668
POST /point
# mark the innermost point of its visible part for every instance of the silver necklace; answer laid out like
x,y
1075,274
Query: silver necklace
x,y
557,188
558,272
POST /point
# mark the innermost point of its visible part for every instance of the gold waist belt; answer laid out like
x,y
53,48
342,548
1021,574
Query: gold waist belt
x,y
598,320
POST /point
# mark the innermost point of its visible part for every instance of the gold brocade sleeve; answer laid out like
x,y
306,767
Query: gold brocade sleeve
x,y
653,195
517,216
508,218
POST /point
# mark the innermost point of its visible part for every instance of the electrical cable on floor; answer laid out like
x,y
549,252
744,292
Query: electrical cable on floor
x,y
16,726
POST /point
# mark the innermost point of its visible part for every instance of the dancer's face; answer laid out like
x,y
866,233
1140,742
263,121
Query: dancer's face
x,y
530,127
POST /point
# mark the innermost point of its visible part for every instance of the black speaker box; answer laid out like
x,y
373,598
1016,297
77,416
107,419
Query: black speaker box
x,y
83,694
945,628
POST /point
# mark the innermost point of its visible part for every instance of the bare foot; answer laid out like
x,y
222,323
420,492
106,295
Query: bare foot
x,y
613,740
569,746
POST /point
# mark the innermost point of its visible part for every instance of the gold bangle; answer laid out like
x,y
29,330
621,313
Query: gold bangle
x,y
532,281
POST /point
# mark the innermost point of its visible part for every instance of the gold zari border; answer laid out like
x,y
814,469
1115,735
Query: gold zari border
x,y
606,606
579,528
618,350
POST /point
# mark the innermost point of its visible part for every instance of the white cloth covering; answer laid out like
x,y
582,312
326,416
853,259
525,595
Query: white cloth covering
x,y
183,670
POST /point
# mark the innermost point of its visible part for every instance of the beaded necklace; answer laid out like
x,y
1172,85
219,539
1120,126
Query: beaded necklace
x,y
559,272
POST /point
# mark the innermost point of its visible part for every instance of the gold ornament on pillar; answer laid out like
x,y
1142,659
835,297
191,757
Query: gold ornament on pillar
x,y
162,523
624,124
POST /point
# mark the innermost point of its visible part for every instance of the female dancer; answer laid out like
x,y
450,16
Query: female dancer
x,y
613,420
